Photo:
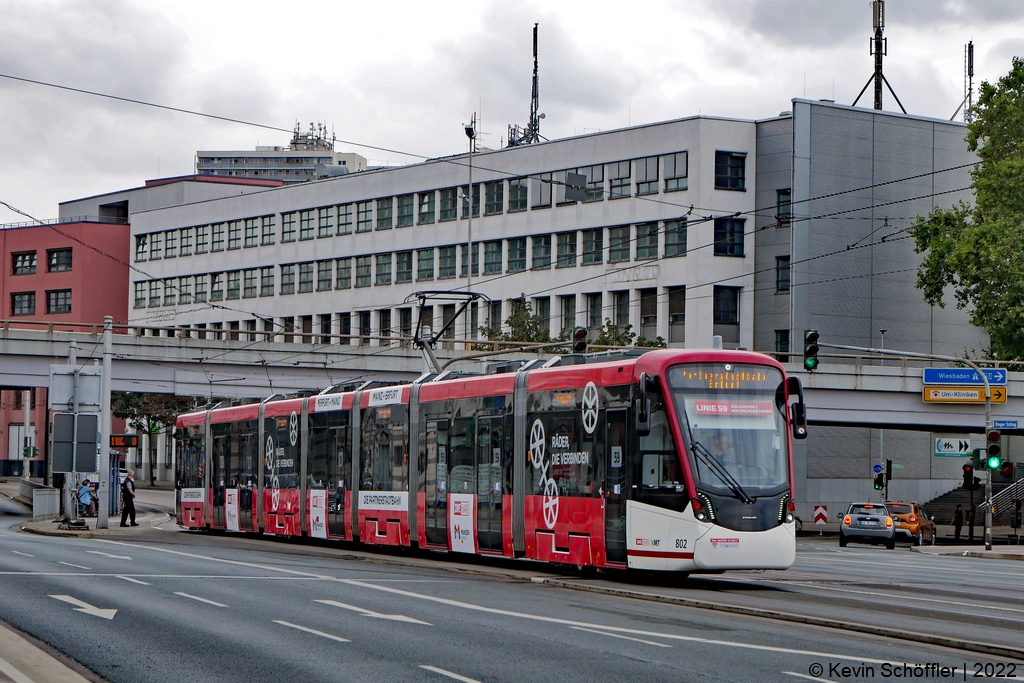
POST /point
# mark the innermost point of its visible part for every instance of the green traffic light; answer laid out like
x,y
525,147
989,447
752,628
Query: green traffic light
x,y
810,363
994,462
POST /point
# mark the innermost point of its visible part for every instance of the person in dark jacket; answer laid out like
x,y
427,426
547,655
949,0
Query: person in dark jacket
x,y
128,499
958,521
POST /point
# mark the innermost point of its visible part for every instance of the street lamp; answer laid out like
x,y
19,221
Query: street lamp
x,y
470,129
881,432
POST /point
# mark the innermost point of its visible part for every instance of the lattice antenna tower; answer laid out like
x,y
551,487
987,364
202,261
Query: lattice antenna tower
x,y
531,133
879,48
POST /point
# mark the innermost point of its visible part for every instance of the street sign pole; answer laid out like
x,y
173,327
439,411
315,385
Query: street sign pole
x,y
104,487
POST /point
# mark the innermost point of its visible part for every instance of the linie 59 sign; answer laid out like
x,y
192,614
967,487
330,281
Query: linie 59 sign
x,y
124,440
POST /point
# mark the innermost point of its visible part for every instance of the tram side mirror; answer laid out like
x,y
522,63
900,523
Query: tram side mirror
x,y
798,411
643,408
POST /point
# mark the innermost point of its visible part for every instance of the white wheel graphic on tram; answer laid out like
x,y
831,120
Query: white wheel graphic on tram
x,y
550,504
269,460
275,493
590,407
293,428
537,443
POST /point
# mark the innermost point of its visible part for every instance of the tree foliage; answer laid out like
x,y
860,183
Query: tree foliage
x,y
613,335
979,249
150,413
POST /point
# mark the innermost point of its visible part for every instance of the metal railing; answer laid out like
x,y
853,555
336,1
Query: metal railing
x,y
1002,500
113,220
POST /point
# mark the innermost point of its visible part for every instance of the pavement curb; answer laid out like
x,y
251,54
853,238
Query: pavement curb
x,y
979,554
150,522
944,641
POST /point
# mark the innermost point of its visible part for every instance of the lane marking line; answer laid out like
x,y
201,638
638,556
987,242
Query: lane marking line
x,y
975,605
809,678
312,630
449,674
196,597
12,673
114,557
76,566
18,552
371,613
616,635
128,578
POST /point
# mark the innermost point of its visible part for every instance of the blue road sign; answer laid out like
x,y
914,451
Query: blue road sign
x,y
1004,424
964,376
876,468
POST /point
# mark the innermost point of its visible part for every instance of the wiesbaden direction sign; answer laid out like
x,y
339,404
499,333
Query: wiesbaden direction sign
x,y
964,376
962,394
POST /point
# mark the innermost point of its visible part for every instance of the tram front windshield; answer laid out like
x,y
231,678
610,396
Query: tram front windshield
x,y
735,429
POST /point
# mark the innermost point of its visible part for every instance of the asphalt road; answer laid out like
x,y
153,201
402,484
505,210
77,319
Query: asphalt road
x,y
197,607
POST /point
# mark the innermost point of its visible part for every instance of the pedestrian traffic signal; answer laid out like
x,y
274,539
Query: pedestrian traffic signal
x,y
993,449
968,477
811,349
879,481
579,340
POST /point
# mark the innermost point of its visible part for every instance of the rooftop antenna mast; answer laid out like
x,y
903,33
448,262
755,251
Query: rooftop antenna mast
x,y
531,133
968,84
878,47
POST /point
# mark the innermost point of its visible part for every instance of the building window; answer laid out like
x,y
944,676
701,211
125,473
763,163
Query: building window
x,y
647,176
405,323
730,170
234,284
324,275
729,236
383,269
476,258
783,206
476,201
425,264
25,262
58,301
384,322
171,244
364,216
648,312
267,281
202,233
288,227
201,288
306,222
542,308
23,303
156,245
403,269
345,219
217,287
426,207
154,293
675,238
541,191
675,166
248,283
516,254
594,188
344,275
541,252
288,279
446,263
568,312
325,221
345,326
363,266
595,315
494,198
726,305
677,314
234,234
325,328
405,210
621,302
618,244
494,317
185,235
448,205
782,273
619,175
647,240
517,194
140,295
492,257
364,328
252,232
268,230
566,250
385,211
305,277
782,344
593,246
185,290
170,292
217,241
141,249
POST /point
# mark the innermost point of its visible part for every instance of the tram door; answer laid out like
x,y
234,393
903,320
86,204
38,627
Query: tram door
x,y
218,474
615,484
338,478
247,481
435,482
490,443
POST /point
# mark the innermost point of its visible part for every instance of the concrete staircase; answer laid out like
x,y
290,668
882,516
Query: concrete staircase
x,y
942,508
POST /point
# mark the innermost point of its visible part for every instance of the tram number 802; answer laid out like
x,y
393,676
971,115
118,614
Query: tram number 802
x,y
680,542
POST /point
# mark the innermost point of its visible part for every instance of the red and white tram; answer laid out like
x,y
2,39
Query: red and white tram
x,y
672,460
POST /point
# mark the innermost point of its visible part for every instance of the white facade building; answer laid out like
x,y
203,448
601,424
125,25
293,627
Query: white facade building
x,y
659,243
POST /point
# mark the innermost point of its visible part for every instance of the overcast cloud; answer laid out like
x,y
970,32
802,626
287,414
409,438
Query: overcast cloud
x,y
406,75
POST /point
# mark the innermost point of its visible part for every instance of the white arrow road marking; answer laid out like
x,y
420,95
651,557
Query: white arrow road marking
x,y
85,607
128,578
114,557
196,597
616,635
449,674
376,615
18,552
312,630
77,566
808,678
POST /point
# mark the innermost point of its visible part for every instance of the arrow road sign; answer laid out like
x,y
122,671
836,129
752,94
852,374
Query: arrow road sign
x,y
964,376
955,448
962,394
821,514
85,607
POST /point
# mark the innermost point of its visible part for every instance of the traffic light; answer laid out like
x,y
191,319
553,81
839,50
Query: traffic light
x,y
1015,514
879,481
968,477
1006,469
888,469
810,349
579,340
993,449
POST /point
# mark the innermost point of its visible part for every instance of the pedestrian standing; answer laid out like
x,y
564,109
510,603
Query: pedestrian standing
x,y
958,521
85,499
970,524
128,499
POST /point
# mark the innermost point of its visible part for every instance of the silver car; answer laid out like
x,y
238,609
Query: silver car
x,y
867,523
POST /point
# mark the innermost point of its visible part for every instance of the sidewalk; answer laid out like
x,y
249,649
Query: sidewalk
x,y
22,661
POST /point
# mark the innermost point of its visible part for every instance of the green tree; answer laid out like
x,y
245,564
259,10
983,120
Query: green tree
x,y
523,325
979,249
150,413
613,335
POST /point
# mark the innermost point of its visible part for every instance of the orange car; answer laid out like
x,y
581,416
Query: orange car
x,y
912,522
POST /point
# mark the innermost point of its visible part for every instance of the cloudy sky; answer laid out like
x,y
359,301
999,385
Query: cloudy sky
x,y
406,75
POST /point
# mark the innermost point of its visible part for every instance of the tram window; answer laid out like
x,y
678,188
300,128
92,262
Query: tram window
x,y
568,459
383,462
283,460
658,457
191,457
462,477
